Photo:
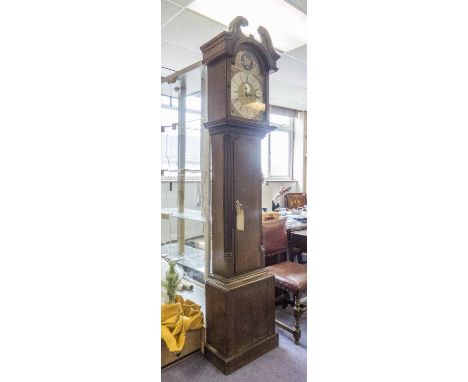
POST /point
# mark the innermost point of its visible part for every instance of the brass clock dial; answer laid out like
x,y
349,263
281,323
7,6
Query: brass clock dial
x,y
247,83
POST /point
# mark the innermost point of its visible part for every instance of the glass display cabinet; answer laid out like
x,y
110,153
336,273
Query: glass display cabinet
x,y
185,173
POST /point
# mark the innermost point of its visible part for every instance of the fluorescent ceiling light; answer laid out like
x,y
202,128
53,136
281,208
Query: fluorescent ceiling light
x,y
287,25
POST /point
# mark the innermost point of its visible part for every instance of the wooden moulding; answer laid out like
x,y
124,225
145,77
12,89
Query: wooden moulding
x,y
230,364
233,126
227,43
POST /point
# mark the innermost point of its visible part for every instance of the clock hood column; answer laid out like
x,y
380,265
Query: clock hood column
x,y
240,296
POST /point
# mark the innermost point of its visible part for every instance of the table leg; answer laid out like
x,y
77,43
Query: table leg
x,y
290,251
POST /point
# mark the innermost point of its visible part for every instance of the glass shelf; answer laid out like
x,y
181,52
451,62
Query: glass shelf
x,y
188,214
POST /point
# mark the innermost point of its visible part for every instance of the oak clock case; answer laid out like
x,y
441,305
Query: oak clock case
x,y
240,292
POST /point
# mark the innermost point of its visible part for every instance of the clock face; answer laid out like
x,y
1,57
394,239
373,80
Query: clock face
x,y
247,84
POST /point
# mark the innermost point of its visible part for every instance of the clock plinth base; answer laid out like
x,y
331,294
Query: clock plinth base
x,y
231,364
240,319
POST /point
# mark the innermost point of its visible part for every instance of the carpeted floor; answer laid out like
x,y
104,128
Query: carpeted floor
x,y
288,362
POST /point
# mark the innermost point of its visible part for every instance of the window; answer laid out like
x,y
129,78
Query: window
x,y
277,148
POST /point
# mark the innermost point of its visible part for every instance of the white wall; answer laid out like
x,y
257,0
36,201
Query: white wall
x,y
270,188
299,153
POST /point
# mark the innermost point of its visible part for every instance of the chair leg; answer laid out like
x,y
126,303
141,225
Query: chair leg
x,y
284,303
297,316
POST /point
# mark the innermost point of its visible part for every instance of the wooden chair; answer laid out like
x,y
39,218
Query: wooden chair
x,y
291,278
295,200
274,241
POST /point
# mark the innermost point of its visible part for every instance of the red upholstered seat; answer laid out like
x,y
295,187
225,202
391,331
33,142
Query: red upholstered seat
x,y
275,238
290,276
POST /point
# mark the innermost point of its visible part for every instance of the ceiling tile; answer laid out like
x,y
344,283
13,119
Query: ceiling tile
x,y
176,58
300,53
299,4
192,83
279,89
168,10
191,30
287,95
166,72
291,71
183,2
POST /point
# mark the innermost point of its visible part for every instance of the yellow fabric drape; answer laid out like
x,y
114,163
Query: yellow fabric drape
x,y
176,320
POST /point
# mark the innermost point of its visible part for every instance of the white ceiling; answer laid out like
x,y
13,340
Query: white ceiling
x,y
299,4
183,31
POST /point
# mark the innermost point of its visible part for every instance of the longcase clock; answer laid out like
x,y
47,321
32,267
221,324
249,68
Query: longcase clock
x,y
240,301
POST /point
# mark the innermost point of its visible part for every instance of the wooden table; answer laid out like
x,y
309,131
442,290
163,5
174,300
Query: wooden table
x,y
297,239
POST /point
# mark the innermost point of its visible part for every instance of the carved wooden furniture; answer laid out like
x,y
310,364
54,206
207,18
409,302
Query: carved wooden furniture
x,y
291,277
298,239
295,200
240,292
274,241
